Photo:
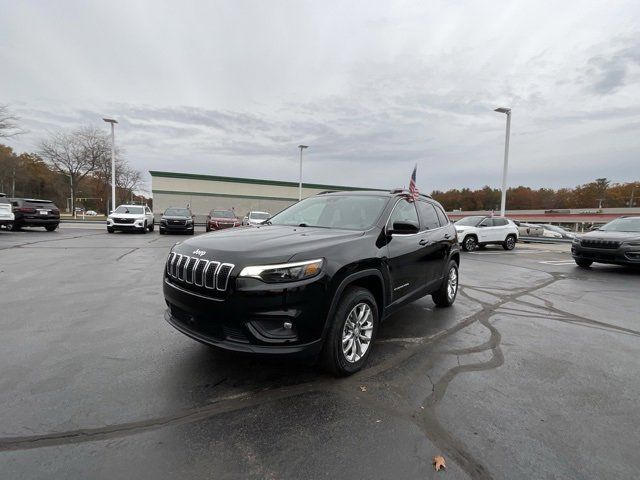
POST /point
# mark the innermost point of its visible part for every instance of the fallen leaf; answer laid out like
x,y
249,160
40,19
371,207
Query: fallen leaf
x,y
378,421
363,388
438,463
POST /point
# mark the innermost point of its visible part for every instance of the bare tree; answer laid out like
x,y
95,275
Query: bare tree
x,y
128,179
8,123
76,154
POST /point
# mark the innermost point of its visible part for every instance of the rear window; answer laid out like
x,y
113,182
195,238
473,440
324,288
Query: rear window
x,y
39,203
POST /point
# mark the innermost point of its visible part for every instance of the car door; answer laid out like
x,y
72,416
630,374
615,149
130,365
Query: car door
x,y
502,228
148,215
406,260
485,230
432,242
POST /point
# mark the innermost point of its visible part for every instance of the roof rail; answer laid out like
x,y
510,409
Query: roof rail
x,y
326,191
407,192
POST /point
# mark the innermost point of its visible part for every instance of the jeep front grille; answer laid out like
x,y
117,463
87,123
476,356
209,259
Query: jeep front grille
x,y
597,243
208,274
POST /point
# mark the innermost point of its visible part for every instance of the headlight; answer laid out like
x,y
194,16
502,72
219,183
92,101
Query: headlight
x,y
189,221
576,240
632,243
162,220
286,272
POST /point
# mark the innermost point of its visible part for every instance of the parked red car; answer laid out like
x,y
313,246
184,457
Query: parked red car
x,y
220,218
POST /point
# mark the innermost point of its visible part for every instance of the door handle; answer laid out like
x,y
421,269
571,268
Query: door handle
x,y
424,241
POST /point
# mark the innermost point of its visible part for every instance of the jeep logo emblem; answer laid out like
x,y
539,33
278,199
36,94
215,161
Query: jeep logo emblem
x,y
199,252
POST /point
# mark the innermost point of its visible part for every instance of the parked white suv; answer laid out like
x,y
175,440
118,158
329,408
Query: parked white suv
x,y
131,217
6,211
255,218
478,231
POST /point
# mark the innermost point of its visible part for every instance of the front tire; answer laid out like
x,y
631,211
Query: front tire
x,y
11,226
353,330
583,263
470,243
152,226
110,230
509,242
446,294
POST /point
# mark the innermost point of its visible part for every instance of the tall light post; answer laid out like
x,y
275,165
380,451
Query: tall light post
x,y
503,200
301,147
113,161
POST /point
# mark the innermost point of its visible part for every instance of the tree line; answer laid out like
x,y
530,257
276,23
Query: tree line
x,y
600,193
74,165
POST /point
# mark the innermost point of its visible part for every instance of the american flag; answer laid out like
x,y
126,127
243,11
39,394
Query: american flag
x,y
413,191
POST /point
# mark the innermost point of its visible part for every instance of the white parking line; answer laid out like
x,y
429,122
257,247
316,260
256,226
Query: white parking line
x,y
558,262
509,253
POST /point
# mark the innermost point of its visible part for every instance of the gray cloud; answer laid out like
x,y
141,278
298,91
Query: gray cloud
x,y
211,89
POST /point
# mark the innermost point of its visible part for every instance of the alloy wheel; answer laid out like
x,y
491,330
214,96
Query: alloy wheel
x,y
357,332
452,283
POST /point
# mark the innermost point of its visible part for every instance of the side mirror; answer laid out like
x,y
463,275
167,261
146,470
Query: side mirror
x,y
404,228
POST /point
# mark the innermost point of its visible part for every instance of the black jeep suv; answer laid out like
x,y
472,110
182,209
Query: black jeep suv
x,y
617,242
31,212
317,278
179,220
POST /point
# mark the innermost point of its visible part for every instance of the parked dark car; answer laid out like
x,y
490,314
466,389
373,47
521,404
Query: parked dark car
x,y
221,218
617,242
31,212
316,279
177,220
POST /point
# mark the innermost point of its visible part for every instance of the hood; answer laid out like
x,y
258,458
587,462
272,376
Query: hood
x,y
619,236
265,244
175,217
126,215
224,219
462,227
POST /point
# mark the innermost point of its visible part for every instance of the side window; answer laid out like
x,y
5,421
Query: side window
x,y
404,211
428,216
487,222
442,217
500,222
148,210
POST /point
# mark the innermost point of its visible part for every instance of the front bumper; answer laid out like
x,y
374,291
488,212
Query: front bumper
x,y
623,255
222,226
167,227
250,316
136,225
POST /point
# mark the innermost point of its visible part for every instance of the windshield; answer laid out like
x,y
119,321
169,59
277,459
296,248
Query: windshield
x,y
344,211
258,215
134,210
222,214
177,212
469,221
623,225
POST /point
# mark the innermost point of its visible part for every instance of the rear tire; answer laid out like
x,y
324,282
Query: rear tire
x,y
583,263
448,291
509,242
352,332
469,243
51,228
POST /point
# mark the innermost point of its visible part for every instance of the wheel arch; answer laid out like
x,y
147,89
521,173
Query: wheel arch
x,y
369,278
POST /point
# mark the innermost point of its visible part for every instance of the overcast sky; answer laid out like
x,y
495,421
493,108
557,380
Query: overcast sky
x,y
231,88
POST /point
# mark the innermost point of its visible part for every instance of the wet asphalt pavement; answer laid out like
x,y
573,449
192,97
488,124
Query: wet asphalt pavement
x,y
532,374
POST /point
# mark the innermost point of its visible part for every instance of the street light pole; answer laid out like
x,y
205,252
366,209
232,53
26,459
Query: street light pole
x,y
113,161
301,147
503,199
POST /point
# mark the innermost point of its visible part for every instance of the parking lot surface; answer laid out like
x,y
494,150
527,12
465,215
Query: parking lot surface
x,y
533,373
